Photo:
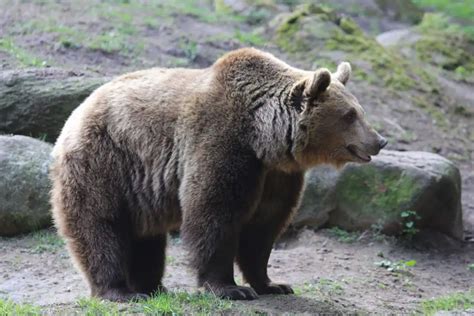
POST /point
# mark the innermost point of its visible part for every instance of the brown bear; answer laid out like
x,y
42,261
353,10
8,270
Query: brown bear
x,y
219,152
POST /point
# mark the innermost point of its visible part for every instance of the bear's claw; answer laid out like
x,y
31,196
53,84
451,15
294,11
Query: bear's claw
x,y
273,288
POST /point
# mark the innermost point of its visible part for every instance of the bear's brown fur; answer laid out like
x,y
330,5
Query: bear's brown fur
x,y
219,152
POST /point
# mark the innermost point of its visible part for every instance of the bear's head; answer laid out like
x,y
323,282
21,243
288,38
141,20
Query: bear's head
x,y
332,127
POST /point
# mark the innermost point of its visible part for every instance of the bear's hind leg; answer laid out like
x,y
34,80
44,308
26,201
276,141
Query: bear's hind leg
x,y
102,251
147,264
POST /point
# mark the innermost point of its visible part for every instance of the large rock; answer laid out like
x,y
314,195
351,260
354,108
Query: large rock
x,y
378,192
24,184
37,102
319,198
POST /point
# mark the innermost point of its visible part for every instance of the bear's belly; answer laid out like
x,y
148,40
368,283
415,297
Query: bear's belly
x,y
157,221
153,200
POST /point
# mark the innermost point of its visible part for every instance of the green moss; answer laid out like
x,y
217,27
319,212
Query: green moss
x,y
387,66
460,10
286,31
315,28
445,46
349,26
375,194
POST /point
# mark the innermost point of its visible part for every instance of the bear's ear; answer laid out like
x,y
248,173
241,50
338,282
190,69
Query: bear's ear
x,y
309,88
319,83
343,72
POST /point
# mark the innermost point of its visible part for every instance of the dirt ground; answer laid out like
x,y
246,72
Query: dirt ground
x,y
328,275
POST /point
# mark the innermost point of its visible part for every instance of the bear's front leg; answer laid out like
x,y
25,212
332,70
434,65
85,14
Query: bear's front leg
x,y
216,196
279,200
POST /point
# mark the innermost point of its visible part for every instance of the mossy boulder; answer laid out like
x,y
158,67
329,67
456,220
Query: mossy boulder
x,y
361,196
321,37
438,42
24,184
37,102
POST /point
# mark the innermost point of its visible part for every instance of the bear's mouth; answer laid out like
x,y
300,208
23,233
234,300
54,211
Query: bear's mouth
x,y
355,152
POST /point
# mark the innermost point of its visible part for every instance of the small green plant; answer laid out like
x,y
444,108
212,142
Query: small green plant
x,y
453,302
409,219
189,48
376,230
396,266
170,259
470,267
342,235
8,307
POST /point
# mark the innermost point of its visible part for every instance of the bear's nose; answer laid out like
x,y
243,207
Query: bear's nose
x,y
382,142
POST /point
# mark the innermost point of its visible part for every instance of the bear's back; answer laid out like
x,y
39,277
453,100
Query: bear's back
x,y
135,107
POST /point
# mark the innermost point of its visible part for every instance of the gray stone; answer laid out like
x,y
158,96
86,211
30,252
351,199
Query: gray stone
x,y
37,102
319,197
377,193
24,184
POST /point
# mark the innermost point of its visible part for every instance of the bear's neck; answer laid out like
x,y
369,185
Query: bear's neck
x,y
261,87
266,99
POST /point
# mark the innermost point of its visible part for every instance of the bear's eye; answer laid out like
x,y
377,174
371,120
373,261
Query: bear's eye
x,y
350,116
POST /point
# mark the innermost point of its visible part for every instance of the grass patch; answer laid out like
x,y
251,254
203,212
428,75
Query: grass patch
x,y
218,13
97,307
172,303
249,38
453,302
110,42
321,287
185,303
21,55
8,307
46,241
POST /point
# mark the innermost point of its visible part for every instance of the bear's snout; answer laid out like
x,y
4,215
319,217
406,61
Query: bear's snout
x,y
382,142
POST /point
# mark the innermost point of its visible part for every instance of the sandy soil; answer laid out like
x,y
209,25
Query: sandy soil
x,y
328,275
